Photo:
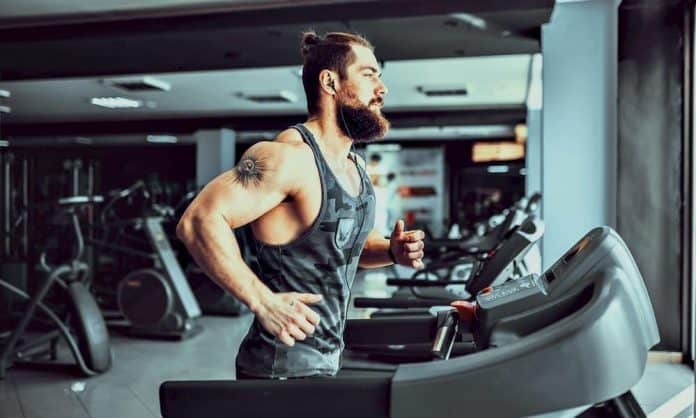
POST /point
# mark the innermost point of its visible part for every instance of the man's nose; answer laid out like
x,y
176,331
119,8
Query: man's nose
x,y
382,89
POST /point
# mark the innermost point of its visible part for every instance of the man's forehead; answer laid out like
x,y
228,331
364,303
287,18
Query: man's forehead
x,y
364,57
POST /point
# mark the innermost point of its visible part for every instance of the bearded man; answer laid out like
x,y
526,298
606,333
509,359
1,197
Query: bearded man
x,y
311,206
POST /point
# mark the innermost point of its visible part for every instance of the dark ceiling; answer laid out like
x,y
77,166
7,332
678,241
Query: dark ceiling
x,y
260,38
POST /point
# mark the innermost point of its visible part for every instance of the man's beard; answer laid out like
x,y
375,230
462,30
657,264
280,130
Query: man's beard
x,y
359,122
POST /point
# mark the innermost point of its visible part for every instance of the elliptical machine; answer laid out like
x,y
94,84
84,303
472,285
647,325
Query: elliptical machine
x,y
82,327
154,299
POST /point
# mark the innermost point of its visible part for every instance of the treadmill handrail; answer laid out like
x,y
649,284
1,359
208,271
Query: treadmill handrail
x,y
400,302
562,338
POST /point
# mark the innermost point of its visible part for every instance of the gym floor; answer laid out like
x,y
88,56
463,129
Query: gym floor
x,y
130,388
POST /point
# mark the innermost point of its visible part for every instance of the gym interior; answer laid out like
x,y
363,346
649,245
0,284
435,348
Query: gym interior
x,y
544,147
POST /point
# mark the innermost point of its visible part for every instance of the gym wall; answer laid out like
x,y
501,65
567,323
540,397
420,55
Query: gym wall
x,y
651,150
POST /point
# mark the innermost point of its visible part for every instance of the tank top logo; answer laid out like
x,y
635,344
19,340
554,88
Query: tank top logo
x,y
345,227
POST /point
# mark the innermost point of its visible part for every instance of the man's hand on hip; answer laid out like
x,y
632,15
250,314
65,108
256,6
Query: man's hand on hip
x,y
287,316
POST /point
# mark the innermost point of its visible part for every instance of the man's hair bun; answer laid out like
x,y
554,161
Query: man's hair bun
x,y
309,40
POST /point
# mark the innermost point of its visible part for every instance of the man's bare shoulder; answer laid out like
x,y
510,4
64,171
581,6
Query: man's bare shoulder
x,y
294,145
271,149
290,136
283,159
272,155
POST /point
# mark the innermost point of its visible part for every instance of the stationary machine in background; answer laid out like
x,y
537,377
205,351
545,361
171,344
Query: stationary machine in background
x,y
14,228
212,299
432,298
78,321
152,296
541,346
454,258
458,269
505,261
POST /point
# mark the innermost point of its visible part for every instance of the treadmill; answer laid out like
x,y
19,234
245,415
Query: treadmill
x,y
477,244
454,259
553,344
503,262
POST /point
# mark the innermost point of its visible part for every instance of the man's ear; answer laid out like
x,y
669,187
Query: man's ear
x,y
328,81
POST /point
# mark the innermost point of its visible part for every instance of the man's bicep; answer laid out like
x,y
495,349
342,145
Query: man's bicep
x,y
253,187
237,203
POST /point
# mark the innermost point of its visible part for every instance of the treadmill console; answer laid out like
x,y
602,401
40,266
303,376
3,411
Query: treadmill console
x,y
510,293
577,257
496,304
499,267
507,307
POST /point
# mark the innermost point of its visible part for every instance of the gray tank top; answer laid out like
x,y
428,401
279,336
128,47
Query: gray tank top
x,y
322,260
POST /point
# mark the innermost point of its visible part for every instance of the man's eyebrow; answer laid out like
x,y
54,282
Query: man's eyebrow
x,y
369,67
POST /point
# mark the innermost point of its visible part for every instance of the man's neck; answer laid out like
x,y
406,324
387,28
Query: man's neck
x,y
334,144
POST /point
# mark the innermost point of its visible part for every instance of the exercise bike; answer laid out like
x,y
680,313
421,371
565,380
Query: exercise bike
x,y
82,326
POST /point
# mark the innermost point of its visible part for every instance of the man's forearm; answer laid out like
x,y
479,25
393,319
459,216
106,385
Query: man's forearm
x,y
376,253
213,246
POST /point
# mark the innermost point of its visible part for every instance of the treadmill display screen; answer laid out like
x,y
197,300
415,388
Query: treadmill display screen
x,y
575,250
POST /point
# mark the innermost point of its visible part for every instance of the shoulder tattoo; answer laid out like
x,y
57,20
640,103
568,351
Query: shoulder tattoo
x,y
250,170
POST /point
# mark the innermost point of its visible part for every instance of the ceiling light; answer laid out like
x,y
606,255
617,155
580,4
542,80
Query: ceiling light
x,y
162,139
4,143
83,140
138,84
282,96
470,19
116,102
5,109
443,91
4,94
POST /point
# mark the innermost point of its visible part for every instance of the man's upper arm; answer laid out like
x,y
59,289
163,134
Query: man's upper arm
x,y
262,179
